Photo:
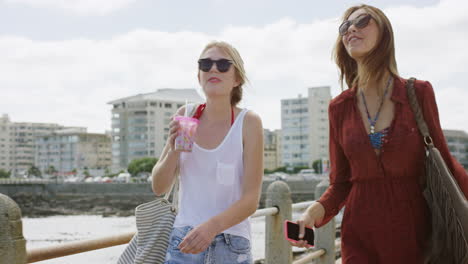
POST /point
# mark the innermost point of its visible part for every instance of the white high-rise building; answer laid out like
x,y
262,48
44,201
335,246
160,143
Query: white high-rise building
x,y
304,126
140,123
6,143
279,147
319,99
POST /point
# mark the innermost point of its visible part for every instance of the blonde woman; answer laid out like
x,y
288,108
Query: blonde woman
x,y
376,150
220,180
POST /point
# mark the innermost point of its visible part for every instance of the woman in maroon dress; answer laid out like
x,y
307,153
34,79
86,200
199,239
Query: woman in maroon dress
x,y
376,150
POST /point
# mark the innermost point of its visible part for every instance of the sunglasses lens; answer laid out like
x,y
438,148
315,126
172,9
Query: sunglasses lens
x,y
362,21
344,28
205,64
223,65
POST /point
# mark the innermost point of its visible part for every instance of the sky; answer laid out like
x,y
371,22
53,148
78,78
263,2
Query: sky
x,y
62,61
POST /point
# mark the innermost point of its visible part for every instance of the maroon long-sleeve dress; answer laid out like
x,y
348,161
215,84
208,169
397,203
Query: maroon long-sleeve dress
x,y
386,219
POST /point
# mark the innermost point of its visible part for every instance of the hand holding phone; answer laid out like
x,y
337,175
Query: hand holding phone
x,y
291,233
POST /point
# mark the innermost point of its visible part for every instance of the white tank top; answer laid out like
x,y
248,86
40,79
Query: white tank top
x,y
211,181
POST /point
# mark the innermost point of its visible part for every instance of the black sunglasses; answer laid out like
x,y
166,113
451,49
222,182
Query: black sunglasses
x,y
360,22
222,64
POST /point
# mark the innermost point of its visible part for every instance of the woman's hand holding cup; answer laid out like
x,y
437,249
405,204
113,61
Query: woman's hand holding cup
x,y
174,127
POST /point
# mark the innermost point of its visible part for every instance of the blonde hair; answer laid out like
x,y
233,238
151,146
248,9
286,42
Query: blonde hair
x,y
236,93
377,62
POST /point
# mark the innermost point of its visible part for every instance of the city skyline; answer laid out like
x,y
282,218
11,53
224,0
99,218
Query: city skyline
x,y
66,72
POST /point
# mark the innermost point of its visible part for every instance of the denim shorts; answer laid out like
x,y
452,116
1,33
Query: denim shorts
x,y
225,249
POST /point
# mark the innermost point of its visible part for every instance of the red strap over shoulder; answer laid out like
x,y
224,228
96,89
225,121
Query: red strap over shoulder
x,y
199,111
201,108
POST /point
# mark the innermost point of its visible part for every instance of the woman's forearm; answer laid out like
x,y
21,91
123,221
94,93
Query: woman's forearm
x,y
235,214
163,172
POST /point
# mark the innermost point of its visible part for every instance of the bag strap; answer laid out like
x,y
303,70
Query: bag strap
x,y
174,189
418,113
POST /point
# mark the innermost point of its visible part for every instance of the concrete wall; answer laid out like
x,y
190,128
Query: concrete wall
x,y
73,198
298,188
77,188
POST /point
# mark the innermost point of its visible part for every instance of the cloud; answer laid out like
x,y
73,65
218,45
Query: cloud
x,y
78,7
69,82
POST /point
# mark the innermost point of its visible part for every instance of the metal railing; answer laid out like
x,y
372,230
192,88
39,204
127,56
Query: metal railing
x,y
279,207
71,248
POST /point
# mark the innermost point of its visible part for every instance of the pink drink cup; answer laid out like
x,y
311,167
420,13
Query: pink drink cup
x,y
186,134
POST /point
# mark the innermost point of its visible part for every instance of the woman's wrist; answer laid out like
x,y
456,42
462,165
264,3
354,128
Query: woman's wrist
x,y
173,154
214,225
316,211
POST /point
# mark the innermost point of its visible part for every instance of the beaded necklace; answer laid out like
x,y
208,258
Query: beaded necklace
x,y
376,139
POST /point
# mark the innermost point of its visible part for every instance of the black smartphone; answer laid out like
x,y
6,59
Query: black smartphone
x,y
291,232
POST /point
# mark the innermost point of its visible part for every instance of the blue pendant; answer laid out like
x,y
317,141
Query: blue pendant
x,y
376,139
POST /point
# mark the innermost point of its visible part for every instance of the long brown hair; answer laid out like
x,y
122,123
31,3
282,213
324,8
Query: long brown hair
x,y
377,62
236,93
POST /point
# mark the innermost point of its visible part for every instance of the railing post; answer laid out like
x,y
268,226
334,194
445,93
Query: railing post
x,y
277,249
325,236
12,243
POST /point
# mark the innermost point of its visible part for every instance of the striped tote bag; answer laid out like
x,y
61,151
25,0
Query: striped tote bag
x,y
154,222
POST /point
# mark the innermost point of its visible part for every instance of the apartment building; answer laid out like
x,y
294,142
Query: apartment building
x,y
271,147
279,147
73,149
18,143
6,143
140,123
304,127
